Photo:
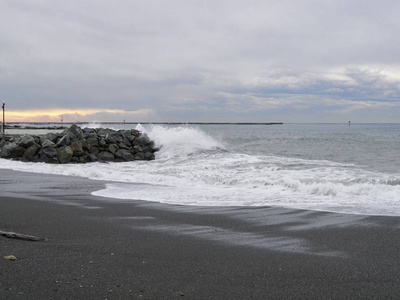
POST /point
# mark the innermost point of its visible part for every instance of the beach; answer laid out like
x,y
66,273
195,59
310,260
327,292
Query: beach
x,y
101,248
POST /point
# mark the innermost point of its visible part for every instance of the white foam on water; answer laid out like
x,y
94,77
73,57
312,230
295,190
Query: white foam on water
x,y
194,168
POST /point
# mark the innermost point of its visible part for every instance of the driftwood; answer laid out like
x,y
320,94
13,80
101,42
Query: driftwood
x,y
20,236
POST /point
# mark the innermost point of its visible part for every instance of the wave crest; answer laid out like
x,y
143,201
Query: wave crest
x,y
180,141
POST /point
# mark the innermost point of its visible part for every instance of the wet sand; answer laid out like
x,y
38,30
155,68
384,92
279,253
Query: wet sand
x,y
99,248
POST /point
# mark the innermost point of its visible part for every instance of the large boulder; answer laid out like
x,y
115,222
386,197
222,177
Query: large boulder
x,y
69,135
50,152
144,139
105,156
47,155
92,142
65,154
74,131
63,141
11,150
30,152
149,156
26,141
139,156
112,137
77,148
124,155
49,136
48,144
112,148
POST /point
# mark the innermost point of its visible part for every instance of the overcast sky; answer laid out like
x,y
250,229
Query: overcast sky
x,y
192,60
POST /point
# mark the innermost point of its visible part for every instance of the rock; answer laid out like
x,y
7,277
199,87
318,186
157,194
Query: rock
x,y
125,133
48,155
112,138
149,156
144,139
137,148
88,130
49,136
11,150
124,155
74,160
75,145
30,152
85,145
135,132
26,141
92,158
104,131
103,143
135,142
63,141
106,156
139,156
77,148
10,257
65,154
92,142
131,138
94,150
124,146
74,131
50,152
48,144
112,148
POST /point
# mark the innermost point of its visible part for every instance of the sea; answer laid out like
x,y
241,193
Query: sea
x,y
344,168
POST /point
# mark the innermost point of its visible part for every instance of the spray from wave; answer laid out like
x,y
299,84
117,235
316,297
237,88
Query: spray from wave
x,y
93,125
180,141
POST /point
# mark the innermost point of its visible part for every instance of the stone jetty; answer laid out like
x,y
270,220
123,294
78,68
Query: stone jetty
x,y
77,145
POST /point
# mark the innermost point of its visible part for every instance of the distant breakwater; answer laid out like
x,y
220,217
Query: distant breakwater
x,y
60,125
77,145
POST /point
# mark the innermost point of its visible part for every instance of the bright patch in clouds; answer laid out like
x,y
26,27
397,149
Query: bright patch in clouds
x,y
69,115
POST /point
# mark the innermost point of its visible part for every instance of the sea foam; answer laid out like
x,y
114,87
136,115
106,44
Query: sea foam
x,y
194,167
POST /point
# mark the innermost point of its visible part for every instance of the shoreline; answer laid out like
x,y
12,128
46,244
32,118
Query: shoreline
x,y
105,248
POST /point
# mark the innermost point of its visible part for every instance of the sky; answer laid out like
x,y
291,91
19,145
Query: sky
x,y
200,61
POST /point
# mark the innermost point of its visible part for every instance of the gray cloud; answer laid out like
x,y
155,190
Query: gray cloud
x,y
204,61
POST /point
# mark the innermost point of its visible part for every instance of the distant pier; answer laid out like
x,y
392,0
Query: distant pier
x,y
203,123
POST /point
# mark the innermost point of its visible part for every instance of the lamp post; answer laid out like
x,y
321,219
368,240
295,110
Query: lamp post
x,y
4,120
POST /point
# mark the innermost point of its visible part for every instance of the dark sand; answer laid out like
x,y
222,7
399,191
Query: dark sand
x,y
100,248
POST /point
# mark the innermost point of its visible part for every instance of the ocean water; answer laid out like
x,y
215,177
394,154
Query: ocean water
x,y
329,167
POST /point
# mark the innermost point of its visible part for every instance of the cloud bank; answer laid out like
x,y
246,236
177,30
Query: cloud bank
x,y
290,61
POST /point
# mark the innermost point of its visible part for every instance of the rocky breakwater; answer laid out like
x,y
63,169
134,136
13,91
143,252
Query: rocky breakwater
x,y
76,145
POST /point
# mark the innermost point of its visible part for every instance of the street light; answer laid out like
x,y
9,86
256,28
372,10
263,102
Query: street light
x,y
4,120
